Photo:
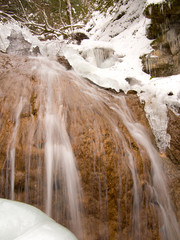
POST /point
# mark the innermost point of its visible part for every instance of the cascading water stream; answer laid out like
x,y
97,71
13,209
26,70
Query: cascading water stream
x,y
61,118
168,226
59,156
11,150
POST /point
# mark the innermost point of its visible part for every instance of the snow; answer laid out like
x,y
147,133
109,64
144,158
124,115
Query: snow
x,y
157,94
21,221
5,32
47,48
103,77
154,1
126,37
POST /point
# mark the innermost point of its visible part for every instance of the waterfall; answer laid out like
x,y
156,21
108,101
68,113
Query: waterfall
x,y
11,151
100,57
59,157
46,146
78,152
168,226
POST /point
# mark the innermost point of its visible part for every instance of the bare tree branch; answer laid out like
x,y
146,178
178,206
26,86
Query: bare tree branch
x,y
45,28
23,9
60,14
69,11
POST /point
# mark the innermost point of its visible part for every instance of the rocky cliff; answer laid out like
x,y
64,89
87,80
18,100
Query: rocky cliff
x,y
164,30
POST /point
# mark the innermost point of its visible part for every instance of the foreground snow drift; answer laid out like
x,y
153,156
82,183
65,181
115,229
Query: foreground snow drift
x,y
20,221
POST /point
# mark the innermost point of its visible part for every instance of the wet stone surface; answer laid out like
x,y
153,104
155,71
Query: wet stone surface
x,y
109,161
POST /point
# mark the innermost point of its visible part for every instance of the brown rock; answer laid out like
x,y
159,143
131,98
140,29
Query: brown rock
x,y
174,130
164,30
101,143
62,60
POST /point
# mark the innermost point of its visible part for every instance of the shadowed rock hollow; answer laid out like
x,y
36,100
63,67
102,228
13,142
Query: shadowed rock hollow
x,y
58,132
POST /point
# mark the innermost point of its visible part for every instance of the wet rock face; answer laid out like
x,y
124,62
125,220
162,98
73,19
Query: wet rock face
x,y
173,153
62,60
164,60
106,178
174,131
107,156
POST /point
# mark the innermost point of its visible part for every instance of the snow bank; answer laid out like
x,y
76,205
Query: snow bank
x,y
47,48
5,32
20,221
125,33
104,77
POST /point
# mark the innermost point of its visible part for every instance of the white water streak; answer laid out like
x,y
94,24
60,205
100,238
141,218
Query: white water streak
x,y
59,158
168,228
11,149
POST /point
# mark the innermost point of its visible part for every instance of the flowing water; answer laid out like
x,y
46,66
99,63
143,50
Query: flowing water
x,y
77,152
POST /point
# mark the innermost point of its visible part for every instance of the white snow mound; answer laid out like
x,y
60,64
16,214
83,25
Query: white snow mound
x,y
20,221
